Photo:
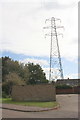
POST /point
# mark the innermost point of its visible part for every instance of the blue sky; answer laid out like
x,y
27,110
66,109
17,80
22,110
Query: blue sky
x,y
70,69
22,36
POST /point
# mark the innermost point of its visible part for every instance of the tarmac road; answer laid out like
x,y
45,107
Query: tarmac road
x,y
68,109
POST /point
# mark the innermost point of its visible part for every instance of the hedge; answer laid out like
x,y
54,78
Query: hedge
x,y
64,86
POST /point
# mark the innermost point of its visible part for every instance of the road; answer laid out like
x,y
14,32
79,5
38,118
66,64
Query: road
x,y
68,109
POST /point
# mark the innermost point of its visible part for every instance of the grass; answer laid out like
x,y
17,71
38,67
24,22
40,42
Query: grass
x,y
37,104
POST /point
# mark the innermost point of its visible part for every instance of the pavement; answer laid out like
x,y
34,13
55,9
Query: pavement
x,y
68,109
26,108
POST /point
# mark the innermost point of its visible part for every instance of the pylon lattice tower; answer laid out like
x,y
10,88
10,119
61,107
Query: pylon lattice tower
x,y
56,71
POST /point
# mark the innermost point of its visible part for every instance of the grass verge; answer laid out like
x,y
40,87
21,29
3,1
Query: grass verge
x,y
37,104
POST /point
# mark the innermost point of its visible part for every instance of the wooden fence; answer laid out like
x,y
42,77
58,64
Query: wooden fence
x,y
73,90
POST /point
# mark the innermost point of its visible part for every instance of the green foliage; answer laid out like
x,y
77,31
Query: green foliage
x,y
15,73
14,79
4,95
25,73
36,74
10,66
10,80
64,86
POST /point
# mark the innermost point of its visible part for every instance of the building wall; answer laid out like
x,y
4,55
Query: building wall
x,y
42,92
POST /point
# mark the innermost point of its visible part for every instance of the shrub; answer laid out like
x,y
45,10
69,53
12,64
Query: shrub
x,y
64,86
4,95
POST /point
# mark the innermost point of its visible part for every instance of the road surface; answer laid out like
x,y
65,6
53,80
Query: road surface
x,y
68,109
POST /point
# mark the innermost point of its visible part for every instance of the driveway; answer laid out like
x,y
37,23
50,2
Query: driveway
x,y
68,109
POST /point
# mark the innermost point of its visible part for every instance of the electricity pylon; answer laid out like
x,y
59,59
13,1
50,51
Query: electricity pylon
x,y
56,71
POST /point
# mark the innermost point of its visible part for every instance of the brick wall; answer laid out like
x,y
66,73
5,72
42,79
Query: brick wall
x,y
64,91
42,92
74,90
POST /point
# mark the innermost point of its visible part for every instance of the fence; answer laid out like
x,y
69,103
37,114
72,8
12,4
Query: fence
x,y
73,90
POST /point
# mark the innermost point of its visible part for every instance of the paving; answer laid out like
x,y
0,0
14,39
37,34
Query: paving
x,y
68,109
26,108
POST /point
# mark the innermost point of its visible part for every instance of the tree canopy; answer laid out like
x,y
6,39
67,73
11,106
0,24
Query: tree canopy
x,y
36,74
15,73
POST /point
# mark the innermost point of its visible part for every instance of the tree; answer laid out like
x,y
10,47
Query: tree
x,y
10,80
24,72
36,74
15,73
9,66
5,69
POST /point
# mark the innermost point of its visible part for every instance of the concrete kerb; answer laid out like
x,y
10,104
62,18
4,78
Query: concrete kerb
x,y
42,110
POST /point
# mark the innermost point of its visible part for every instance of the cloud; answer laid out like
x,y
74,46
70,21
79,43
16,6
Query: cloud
x,y
20,1
56,5
41,62
72,76
66,2
22,28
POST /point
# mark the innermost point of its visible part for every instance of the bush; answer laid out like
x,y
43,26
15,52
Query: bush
x,y
4,95
5,89
63,86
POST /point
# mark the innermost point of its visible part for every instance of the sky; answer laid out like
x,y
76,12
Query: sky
x,y
22,36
